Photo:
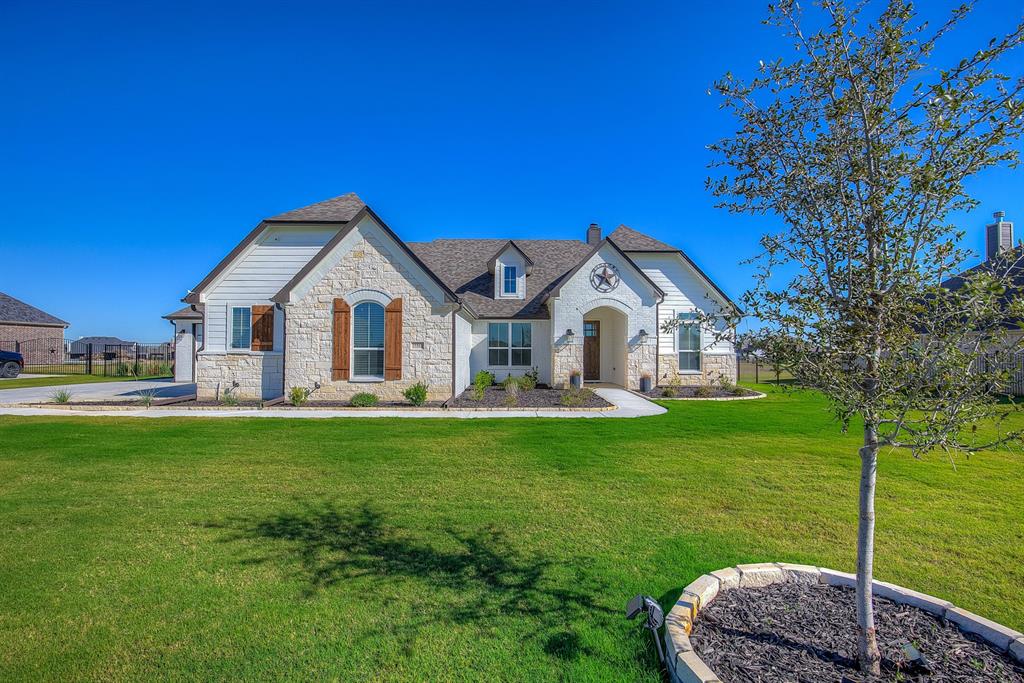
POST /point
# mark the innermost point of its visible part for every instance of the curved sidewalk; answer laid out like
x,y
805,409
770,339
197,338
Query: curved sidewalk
x,y
627,404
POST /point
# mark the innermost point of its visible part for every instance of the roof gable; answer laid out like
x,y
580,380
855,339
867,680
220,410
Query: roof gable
x,y
607,242
366,215
16,311
338,209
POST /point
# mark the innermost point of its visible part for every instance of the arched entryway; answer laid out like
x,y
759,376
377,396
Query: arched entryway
x,y
604,345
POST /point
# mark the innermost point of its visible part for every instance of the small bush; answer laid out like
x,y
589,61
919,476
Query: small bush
x,y
738,391
521,383
230,398
483,379
726,384
164,370
147,397
364,399
60,396
298,396
574,398
532,379
416,394
511,385
668,392
703,391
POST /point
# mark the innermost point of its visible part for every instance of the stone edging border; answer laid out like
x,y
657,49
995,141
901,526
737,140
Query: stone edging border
x,y
757,395
686,667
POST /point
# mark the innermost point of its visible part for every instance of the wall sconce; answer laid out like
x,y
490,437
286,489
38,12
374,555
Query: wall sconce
x,y
569,334
643,336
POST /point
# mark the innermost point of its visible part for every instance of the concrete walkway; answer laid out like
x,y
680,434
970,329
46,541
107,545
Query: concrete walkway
x,y
98,391
627,405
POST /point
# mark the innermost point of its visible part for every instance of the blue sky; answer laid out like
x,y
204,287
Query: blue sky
x,y
140,141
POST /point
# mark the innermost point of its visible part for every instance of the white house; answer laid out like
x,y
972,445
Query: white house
x,y
329,298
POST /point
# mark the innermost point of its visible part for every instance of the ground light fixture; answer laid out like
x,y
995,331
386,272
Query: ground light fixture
x,y
655,617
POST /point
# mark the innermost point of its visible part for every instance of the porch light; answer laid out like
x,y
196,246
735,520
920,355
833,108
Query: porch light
x,y
569,334
643,336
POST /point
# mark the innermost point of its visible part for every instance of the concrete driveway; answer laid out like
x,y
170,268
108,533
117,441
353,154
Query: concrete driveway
x,y
100,391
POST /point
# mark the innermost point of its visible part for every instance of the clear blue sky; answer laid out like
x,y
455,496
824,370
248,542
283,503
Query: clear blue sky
x,y
140,141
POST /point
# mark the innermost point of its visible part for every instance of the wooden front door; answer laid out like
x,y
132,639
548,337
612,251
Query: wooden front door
x,y
591,350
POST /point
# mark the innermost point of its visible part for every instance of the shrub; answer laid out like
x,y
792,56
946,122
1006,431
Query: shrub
x,y
298,395
364,399
416,394
532,378
703,391
511,385
574,398
668,392
738,391
164,370
483,379
147,397
726,384
60,396
230,398
520,383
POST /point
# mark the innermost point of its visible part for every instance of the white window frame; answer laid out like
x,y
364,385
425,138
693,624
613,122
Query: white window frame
x,y
505,269
231,329
509,348
689,322
352,362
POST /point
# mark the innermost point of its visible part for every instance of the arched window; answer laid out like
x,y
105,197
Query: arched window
x,y
368,340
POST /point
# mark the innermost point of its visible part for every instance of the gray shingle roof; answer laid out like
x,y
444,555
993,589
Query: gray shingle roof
x,y
338,209
629,239
16,311
186,313
462,264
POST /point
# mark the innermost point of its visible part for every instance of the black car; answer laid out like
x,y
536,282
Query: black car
x,y
11,364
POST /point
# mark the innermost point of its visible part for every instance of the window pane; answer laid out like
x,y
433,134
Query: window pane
x,y
368,363
689,338
497,335
689,360
510,279
241,334
521,357
368,326
497,357
589,329
521,335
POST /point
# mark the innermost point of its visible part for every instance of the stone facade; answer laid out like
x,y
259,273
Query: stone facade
x,y
258,375
369,270
714,368
566,357
39,344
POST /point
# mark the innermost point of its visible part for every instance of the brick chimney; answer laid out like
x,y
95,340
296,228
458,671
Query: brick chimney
x,y
593,233
998,235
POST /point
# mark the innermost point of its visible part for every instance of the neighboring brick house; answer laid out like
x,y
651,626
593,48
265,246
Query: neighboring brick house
x,y
38,335
329,297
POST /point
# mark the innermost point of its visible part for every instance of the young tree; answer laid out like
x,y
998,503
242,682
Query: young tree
x,y
862,150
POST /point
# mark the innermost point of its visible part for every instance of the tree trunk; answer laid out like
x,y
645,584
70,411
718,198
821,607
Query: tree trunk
x,y
868,655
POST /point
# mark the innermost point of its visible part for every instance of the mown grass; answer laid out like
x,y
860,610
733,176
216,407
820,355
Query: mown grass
x,y
394,549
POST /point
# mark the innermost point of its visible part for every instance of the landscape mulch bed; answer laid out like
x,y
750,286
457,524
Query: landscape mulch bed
x,y
691,392
539,397
807,633
385,405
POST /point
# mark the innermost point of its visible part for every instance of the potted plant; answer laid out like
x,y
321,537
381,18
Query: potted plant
x,y
576,379
645,382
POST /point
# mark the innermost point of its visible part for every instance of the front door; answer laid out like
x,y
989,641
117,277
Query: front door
x,y
591,350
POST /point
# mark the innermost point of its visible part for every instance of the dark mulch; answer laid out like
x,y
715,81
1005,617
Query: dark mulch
x,y
396,405
801,632
541,397
691,392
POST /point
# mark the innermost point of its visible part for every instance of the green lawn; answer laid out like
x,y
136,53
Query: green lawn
x,y
395,549
63,380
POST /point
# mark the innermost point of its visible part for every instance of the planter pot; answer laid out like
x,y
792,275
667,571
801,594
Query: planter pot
x,y
645,384
576,381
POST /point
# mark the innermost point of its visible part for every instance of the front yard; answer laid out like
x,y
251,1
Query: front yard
x,y
387,549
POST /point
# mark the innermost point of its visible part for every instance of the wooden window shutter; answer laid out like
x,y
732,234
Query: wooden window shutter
x,y
262,328
393,340
342,340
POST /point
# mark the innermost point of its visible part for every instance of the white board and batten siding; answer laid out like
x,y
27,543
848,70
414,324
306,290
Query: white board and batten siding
x,y
685,291
259,273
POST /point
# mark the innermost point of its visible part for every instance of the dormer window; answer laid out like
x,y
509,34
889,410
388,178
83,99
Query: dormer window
x,y
510,281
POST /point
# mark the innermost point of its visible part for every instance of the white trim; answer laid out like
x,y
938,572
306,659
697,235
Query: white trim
x,y
358,296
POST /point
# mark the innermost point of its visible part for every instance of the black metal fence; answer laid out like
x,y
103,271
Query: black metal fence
x,y
750,368
57,357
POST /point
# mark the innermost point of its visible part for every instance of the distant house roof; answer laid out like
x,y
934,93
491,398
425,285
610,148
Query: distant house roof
x,y
337,210
193,312
20,313
101,341
1010,262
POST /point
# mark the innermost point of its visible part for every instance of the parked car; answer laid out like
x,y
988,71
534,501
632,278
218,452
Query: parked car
x,y
11,364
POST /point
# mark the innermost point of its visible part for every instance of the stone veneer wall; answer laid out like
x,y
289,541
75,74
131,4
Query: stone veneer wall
x,y
258,375
426,329
714,367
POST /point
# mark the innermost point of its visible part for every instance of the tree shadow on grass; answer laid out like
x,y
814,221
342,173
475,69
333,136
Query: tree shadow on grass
x,y
487,579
